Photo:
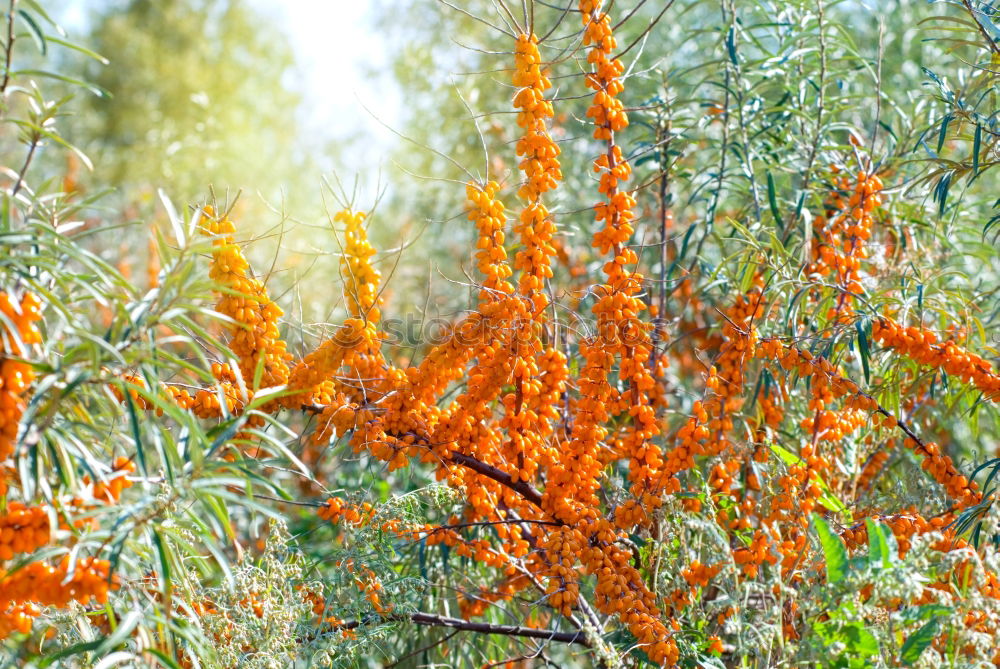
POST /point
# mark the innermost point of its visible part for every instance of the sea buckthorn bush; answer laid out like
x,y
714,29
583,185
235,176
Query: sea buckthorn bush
x,y
721,387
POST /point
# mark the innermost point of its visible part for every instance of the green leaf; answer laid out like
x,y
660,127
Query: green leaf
x,y
834,551
76,47
941,192
36,32
69,651
749,272
860,640
917,642
856,639
731,46
883,552
122,631
864,349
163,658
786,456
161,551
943,131
772,200
926,612
96,90
977,142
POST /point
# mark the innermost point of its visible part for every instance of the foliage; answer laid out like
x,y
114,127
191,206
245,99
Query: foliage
x,y
720,390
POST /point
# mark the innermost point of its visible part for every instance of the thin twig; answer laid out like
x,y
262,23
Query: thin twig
x,y
432,620
8,47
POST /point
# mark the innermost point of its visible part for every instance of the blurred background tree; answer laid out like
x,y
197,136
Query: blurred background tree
x,y
197,96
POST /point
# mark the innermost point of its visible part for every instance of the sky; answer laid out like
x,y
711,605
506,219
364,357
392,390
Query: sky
x,y
336,47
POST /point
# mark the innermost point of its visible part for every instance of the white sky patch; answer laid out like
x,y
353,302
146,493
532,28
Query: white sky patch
x,y
337,49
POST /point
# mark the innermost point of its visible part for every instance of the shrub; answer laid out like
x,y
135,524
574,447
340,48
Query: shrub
x,y
744,427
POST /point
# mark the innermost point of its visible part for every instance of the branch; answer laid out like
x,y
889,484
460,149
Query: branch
x,y
24,168
990,42
486,523
523,488
432,620
8,47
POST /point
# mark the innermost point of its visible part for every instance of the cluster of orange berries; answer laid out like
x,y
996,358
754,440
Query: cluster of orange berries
x,y
617,215
923,347
505,332
697,575
826,424
336,509
904,525
110,489
749,558
942,469
18,618
620,590
620,332
106,491
18,330
839,246
368,582
361,278
504,590
225,399
725,385
23,529
528,447
525,418
338,417
348,373
312,377
134,383
805,364
605,80
771,407
873,467
205,403
255,338
42,584
562,549
799,489
319,608
705,431
487,212
539,153
573,481
540,164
